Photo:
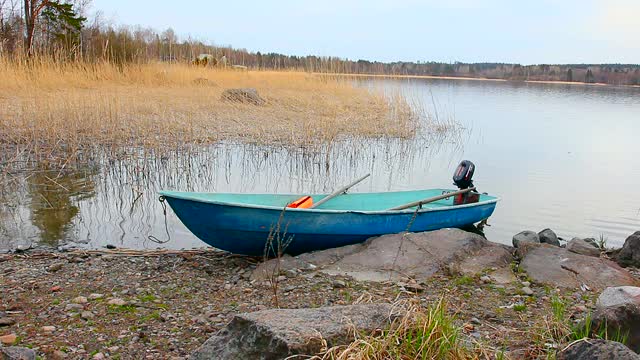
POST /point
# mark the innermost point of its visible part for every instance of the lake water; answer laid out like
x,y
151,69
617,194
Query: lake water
x,y
560,156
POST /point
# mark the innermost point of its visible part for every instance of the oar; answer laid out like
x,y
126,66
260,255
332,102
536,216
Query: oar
x,y
430,200
340,191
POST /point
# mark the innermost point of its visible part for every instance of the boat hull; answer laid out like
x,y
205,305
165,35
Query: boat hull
x,y
245,230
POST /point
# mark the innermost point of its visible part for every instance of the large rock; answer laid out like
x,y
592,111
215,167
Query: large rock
x,y
547,236
526,236
597,349
554,266
16,353
398,256
306,261
618,308
245,96
420,256
277,334
582,246
493,260
629,255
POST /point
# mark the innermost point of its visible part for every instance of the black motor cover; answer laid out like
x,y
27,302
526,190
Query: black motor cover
x,y
463,175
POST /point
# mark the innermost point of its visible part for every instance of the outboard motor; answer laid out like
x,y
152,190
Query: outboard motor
x,y
463,179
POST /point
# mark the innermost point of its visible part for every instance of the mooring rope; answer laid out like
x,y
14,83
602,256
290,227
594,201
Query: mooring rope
x,y
166,225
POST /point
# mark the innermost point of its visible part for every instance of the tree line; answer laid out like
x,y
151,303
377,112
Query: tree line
x,y
61,29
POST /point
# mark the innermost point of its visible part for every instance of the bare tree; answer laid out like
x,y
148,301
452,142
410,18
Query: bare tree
x,y
32,9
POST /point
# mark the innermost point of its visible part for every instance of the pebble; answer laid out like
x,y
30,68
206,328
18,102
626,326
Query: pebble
x,y
49,328
580,308
485,279
55,267
339,284
165,316
95,296
72,307
80,300
414,287
9,339
6,321
281,278
475,321
98,356
55,288
117,301
200,320
87,315
58,355
526,283
527,290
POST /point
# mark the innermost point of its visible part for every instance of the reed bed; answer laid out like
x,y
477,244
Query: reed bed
x,y
46,106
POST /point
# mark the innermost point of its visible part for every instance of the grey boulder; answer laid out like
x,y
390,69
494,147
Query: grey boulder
x,y
583,246
618,308
280,333
526,236
16,353
554,266
597,349
629,255
547,236
398,256
420,256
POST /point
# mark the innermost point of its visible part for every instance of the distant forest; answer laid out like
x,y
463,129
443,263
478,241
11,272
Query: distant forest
x,y
60,29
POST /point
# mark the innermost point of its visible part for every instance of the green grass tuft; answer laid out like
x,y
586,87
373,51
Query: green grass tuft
x,y
519,307
421,333
463,280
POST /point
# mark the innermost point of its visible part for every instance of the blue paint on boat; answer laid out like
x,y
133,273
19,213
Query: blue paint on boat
x,y
241,223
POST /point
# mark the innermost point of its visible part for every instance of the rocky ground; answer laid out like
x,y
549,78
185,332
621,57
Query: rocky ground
x,y
161,305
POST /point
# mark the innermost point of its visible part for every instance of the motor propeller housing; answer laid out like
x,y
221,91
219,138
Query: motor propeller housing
x,y
463,179
463,175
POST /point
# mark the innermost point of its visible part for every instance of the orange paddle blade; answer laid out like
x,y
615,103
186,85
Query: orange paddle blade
x,y
302,203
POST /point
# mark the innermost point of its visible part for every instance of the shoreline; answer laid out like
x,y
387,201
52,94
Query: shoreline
x,y
441,77
160,304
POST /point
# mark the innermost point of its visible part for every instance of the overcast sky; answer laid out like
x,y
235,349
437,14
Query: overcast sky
x,y
526,32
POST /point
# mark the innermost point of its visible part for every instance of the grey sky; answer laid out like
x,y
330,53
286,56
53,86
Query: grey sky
x,y
544,31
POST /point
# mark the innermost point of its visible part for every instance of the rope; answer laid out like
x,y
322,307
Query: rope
x,y
166,225
406,232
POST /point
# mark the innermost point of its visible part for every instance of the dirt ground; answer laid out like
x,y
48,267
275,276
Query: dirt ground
x,y
163,304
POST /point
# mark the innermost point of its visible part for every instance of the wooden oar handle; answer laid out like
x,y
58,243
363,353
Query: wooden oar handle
x,y
340,191
431,199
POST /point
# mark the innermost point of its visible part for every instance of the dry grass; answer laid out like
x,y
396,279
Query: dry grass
x,y
46,104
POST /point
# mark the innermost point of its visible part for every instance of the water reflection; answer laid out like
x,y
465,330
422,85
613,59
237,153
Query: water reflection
x,y
54,200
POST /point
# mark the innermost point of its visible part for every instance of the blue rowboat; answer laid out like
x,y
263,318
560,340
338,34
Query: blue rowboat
x,y
241,223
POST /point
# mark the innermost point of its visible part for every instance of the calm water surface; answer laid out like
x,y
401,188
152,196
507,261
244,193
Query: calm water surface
x,y
560,156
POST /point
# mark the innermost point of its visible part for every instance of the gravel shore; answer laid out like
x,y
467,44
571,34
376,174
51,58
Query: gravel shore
x,y
164,304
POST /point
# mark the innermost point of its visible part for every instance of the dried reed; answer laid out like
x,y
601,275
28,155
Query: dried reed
x,y
47,106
